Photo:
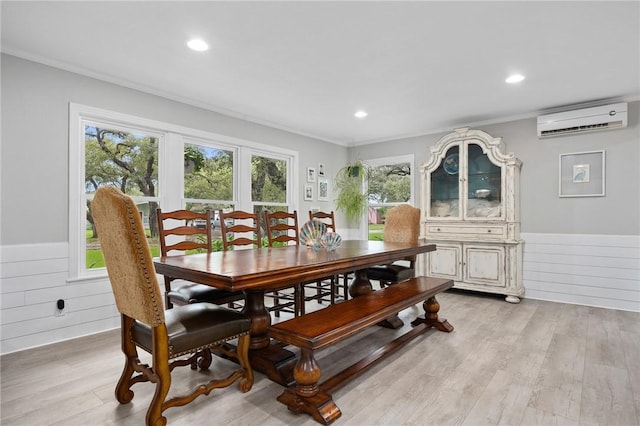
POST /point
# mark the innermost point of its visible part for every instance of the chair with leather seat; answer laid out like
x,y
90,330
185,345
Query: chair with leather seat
x,y
330,221
402,225
240,228
177,234
175,337
282,228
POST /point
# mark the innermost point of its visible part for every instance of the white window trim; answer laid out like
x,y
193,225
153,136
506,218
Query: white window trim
x,y
406,158
170,179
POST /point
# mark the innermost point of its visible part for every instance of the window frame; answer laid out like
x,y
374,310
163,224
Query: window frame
x,y
382,161
171,141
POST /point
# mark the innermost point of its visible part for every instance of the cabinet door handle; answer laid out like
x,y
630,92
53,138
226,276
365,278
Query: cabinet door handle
x,y
489,230
438,229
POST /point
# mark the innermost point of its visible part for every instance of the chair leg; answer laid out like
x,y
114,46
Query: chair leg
x,y
301,300
124,394
160,357
276,302
243,358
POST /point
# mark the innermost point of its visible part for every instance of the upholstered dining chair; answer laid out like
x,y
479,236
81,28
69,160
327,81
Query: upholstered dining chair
x,y
402,225
177,235
282,227
169,336
329,219
240,228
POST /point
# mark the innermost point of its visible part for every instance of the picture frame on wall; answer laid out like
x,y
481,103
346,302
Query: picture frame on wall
x,y
311,174
323,189
308,192
582,174
321,170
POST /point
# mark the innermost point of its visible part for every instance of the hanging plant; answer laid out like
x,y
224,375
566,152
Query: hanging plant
x,y
349,183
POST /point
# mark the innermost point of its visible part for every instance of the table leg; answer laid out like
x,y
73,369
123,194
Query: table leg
x,y
266,357
360,284
260,318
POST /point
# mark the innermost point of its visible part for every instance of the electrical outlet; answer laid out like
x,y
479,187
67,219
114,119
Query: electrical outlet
x,y
59,309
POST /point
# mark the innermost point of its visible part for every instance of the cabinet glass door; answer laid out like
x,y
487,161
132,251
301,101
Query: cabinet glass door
x,y
484,185
445,185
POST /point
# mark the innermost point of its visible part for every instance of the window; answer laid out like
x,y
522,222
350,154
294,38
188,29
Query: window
x,y
389,184
159,164
128,160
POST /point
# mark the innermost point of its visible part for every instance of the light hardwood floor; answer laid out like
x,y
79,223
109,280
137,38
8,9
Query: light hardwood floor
x,y
536,363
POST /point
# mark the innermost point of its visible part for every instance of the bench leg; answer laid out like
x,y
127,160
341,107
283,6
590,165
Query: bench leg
x,y
431,308
306,396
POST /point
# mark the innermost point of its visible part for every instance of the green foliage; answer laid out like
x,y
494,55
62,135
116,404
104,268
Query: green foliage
x,y
352,200
212,178
268,179
390,183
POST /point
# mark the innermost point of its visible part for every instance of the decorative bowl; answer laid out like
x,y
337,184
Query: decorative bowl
x,y
331,241
311,233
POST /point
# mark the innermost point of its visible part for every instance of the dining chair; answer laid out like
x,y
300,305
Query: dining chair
x,y
168,336
282,228
329,219
180,231
402,225
240,228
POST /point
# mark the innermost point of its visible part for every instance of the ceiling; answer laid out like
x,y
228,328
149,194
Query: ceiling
x,y
415,67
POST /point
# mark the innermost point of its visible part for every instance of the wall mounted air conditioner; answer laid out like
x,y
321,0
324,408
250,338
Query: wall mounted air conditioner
x,y
605,117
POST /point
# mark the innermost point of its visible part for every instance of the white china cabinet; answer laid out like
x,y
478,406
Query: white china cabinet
x,y
471,211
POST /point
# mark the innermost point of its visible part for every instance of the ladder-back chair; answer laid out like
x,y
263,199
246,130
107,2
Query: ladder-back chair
x,y
177,232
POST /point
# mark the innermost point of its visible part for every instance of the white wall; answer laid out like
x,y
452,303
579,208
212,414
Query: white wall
x,y
34,222
34,196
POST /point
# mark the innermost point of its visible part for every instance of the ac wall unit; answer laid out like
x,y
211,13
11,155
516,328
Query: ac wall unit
x,y
592,119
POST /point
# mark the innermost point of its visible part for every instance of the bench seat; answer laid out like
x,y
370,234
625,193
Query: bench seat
x,y
327,326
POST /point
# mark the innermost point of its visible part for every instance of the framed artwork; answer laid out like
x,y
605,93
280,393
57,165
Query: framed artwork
x,y
582,174
321,170
311,174
308,192
323,189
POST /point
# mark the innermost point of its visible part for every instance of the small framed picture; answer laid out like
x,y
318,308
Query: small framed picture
x,y
308,192
582,174
311,174
321,170
323,189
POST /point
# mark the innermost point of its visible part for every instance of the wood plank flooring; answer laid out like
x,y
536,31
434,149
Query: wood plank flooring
x,y
536,363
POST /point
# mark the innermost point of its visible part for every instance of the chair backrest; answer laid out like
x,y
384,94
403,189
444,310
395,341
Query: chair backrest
x,y
402,224
127,256
282,227
193,226
249,224
327,218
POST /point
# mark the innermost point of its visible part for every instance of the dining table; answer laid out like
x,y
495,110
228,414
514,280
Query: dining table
x,y
255,271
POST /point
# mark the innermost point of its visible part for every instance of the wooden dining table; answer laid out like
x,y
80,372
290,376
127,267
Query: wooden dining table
x,y
270,268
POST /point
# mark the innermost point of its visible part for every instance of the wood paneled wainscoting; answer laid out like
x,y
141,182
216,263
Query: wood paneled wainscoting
x,y
34,277
593,270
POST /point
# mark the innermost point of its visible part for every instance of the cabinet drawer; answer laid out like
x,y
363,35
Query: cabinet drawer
x,y
452,230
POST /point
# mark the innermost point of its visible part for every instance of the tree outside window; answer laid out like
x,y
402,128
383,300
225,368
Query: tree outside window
x,y
388,186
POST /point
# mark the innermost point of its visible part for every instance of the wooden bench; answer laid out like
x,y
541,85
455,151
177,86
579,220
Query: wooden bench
x,y
321,328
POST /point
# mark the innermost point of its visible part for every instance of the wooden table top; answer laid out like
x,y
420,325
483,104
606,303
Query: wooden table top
x,y
274,267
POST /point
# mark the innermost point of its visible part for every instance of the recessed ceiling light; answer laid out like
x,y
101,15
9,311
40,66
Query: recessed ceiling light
x,y
515,78
361,114
197,45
